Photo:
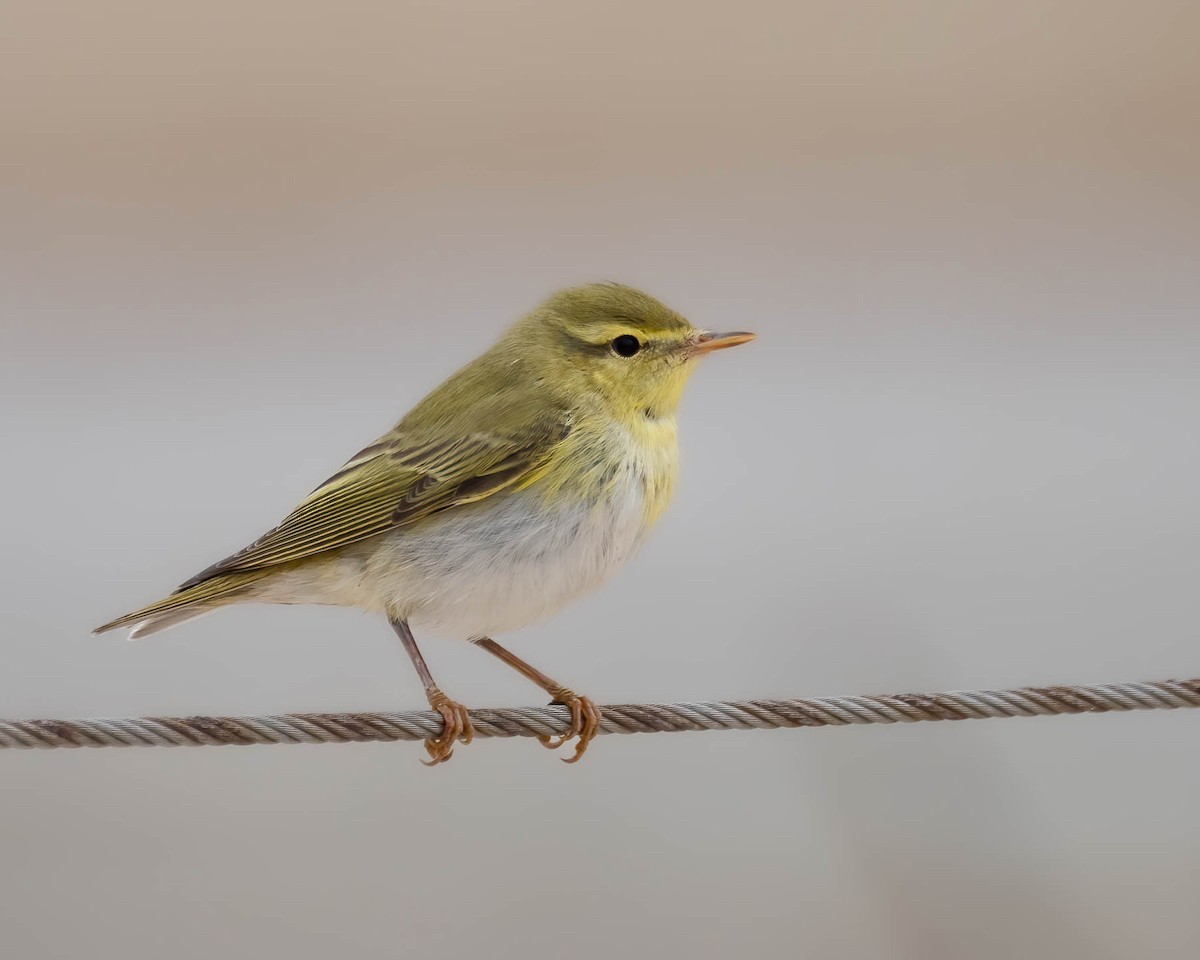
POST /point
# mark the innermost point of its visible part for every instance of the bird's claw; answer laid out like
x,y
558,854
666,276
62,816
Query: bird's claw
x,y
456,727
585,721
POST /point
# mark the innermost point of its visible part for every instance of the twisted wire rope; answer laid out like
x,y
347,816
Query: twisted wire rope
x,y
626,718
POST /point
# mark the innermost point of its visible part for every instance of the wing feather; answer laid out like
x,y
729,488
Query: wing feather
x,y
398,481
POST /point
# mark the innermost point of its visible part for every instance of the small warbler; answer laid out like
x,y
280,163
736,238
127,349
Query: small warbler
x,y
523,481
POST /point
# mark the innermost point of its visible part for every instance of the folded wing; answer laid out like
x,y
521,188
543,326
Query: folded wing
x,y
398,481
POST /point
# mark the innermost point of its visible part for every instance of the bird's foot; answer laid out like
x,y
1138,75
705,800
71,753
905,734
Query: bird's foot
x,y
585,721
456,727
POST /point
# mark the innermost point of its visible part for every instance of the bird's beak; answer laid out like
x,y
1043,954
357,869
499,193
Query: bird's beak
x,y
708,342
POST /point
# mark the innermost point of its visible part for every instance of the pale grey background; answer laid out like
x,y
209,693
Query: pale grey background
x,y
240,239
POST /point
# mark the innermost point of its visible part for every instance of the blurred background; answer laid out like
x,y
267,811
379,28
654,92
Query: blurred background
x,y
239,240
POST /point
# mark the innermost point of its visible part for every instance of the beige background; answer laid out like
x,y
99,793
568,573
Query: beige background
x,y
238,240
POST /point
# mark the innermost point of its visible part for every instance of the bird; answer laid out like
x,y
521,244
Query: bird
x,y
524,481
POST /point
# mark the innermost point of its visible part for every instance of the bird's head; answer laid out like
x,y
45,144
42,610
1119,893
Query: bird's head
x,y
623,346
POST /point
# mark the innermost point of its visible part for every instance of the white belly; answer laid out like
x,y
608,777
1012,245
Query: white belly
x,y
478,572
494,567
492,571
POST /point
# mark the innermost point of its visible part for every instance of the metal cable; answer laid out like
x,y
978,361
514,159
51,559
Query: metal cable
x,y
618,718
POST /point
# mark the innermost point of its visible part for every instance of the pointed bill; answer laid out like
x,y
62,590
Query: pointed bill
x,y
708,342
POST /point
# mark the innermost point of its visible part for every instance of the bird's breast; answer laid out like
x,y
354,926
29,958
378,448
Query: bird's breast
x,y
519,557
609,461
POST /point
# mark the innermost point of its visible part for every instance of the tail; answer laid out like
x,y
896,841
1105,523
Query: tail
x,y
185,604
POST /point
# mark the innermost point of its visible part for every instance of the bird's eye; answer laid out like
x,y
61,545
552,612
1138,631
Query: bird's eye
x,y
626,345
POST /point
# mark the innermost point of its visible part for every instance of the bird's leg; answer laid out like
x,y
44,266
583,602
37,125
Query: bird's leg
x,y
456,722
585,715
